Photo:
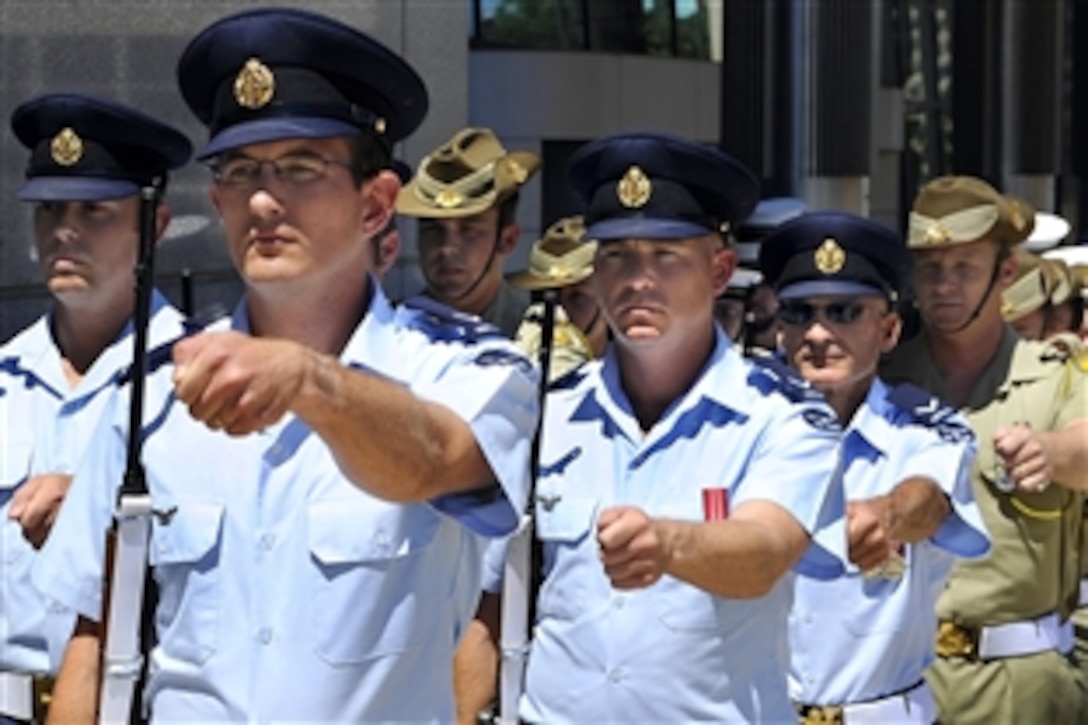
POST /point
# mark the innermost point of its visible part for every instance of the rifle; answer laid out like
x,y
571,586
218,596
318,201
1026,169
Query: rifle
x,y
521,572
127,541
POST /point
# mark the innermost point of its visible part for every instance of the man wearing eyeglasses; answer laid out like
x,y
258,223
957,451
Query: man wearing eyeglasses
x,y
859,644
1003,620
324,470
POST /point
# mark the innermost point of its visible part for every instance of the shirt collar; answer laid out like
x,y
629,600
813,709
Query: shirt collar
x,y
717,382
871,422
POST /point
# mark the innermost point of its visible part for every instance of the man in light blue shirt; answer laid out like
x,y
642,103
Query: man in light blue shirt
x,y
859,644
89,157
324,465
678,483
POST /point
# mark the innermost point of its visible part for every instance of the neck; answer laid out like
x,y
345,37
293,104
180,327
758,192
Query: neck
x,y
82,334
971,348
479,297
654,378
321,319
847,399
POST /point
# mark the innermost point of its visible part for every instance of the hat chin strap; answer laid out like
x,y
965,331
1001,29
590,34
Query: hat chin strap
x,y
483,273
986,296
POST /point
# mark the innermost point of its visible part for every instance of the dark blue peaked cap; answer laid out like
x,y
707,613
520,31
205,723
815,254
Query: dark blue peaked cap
x,y
277,73
86,148
656,186
835,253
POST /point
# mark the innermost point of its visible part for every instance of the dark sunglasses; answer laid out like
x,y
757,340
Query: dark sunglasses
x,y
796,312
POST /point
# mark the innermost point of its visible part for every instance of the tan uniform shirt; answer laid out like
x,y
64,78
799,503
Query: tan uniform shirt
x,y
1033,566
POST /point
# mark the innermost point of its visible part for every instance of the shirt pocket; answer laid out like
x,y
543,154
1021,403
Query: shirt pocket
x,y
685,608
374,581
573,569
185,551
886,603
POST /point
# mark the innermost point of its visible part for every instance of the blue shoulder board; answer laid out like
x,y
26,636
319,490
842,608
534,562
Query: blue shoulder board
x,y
921,408
164,353
569,380
445,324
770,375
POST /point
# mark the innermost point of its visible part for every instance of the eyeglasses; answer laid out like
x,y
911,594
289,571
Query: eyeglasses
x,y
297,169
795,312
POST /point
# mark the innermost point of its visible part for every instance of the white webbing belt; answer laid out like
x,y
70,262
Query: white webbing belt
x,y
122,659
514,631
913,706
1028,637
16,696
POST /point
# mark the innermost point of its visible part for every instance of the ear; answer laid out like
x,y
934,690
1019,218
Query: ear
x,y
1006,272
162,220
213,195
891,329
389,250
723,262
508,238
380,196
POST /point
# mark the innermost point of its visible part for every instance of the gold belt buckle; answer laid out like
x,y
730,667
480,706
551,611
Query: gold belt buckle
x,y
43,696
821,715
954,640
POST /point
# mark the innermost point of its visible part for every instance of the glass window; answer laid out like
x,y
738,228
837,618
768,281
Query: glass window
x,y
667,28
693,28
539,24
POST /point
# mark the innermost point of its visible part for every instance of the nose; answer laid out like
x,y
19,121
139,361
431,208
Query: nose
x,y
817,334
265,206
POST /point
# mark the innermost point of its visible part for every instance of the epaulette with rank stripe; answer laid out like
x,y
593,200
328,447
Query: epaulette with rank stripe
x,y
445,324
771,375
927,410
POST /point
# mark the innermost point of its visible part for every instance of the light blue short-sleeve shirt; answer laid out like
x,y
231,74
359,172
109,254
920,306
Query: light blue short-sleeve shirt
x,y
45,426
670,652
285,591
857,638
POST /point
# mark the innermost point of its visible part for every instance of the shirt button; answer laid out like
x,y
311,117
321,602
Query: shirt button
x,y
265,635
618,602
617,675
268,541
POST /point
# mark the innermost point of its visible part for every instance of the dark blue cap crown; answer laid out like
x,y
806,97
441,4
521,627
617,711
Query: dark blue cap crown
x,y
278,73
835,253
656,186
87,148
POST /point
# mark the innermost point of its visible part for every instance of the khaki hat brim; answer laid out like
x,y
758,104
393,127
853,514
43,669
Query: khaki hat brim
x,y
528,281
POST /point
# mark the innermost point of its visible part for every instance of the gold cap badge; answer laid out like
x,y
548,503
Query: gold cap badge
x,y
379,125
936,234
829,257
254,85
448,198
66,147
634,188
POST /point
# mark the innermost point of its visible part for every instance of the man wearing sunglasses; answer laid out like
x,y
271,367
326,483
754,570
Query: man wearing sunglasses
x,y
860,643
1003,626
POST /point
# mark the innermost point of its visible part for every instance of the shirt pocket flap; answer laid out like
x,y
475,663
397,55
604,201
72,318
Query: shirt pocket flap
x,y
186,533
346,532
564,518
